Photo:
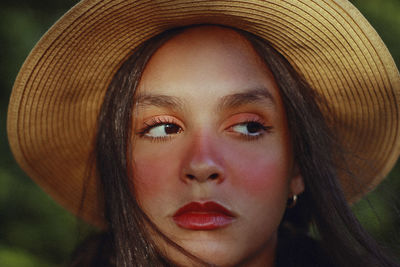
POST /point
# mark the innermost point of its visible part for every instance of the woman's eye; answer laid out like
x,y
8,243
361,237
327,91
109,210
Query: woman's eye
x,y
249,128
163,130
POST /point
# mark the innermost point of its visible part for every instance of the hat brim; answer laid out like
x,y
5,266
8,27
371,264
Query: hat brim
x,y
59,90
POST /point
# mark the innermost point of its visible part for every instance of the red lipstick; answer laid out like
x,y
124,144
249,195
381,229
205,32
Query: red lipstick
x,y
203,216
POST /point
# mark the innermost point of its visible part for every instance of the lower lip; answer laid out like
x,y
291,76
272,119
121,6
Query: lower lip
x,y
202,220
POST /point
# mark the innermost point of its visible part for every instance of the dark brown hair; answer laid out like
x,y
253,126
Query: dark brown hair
x,y
322,204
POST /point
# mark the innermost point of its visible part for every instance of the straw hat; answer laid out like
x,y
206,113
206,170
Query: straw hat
x,y
59,90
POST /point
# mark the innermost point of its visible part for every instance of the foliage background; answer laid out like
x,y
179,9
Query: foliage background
x,y
35,231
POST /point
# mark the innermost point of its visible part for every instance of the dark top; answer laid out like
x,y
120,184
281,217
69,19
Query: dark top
x,y
299,251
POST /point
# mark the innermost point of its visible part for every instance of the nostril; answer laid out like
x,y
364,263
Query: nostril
x,y
214,176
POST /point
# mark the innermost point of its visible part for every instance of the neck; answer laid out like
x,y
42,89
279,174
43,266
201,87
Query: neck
x,y
264,257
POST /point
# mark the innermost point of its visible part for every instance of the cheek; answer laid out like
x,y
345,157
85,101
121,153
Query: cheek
x,y
260,173
262,183
260,176
154,172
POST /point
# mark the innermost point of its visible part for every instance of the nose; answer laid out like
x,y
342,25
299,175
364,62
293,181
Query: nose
x,y
203,162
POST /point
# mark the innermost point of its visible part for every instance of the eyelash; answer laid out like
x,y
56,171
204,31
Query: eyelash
x,y
154,123
161,121
267,129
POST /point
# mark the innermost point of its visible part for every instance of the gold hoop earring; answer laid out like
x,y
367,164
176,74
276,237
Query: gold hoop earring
x,y
292,201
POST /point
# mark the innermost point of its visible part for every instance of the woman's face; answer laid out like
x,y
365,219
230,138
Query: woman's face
x,y
212,158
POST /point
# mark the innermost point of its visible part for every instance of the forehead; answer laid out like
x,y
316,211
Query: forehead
x,y
206,61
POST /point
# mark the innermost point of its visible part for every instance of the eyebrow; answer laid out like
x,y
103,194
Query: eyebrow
x,y
163,101
255,95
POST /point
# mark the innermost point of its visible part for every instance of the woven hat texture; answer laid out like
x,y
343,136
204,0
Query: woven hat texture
x,y
59,90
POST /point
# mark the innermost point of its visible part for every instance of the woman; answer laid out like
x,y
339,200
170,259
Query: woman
x,y
205,132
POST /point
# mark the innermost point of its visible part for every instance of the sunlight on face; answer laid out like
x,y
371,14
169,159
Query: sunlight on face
x,y
213,160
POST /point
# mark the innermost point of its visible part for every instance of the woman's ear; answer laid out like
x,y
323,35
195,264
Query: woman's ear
x,y
296,186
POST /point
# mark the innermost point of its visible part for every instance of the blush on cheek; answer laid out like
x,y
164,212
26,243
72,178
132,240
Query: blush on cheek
x,y
261,179
261,175
150,177
260,169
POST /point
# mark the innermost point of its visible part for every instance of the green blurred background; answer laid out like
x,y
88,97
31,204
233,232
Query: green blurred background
x,y
35,231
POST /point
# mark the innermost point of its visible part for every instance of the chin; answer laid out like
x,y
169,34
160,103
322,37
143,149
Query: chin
x,y
214,252
211,251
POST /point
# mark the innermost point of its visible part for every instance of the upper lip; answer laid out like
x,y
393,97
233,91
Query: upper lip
x,y
203,207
